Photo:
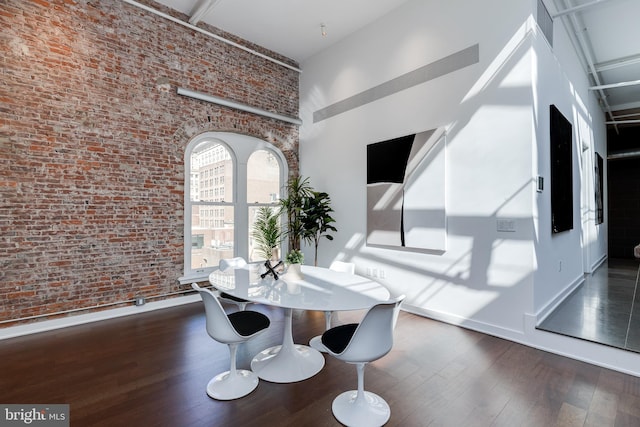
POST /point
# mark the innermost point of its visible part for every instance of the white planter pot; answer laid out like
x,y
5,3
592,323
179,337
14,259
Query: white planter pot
x,y
294,272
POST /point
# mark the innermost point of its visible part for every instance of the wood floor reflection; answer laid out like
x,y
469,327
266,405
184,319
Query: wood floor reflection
x,y
605,309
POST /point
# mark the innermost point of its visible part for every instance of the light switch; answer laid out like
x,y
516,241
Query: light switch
x,y
506,225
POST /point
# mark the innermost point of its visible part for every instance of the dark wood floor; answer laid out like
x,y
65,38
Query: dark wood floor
x,y
605,309
152,369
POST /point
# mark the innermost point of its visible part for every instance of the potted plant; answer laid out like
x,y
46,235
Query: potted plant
x,y
295,257
267,233
308,214
297,190
294,260
317,221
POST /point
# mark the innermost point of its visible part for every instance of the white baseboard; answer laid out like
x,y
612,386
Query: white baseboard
x,y
560,296
598,263
483,327
64,322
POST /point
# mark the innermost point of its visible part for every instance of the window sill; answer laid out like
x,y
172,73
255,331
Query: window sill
x,y
199,277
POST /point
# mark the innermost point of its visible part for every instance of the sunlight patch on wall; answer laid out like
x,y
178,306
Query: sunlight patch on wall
x,y
503,58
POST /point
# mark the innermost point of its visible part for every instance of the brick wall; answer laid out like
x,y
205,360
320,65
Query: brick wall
x,y
92,139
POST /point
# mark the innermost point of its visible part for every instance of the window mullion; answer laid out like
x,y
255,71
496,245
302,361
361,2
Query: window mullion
x,y
241,211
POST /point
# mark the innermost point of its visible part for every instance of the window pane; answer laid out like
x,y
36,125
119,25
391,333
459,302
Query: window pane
x,y
211,173
263,177
211,235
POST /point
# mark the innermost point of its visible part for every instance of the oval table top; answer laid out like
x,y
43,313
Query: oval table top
x,y
319,288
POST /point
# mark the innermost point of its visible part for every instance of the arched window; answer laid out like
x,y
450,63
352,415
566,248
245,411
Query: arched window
x,y
227,178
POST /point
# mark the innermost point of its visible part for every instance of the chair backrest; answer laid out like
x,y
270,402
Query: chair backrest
x,y
373,337
226,264
347,267
218,325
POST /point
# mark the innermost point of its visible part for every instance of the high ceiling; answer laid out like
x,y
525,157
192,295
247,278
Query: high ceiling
x,y
605,33
289,27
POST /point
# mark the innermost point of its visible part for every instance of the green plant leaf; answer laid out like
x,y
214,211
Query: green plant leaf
x,y
266,232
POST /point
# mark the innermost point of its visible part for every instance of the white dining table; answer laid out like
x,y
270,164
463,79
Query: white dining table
x,y
319,289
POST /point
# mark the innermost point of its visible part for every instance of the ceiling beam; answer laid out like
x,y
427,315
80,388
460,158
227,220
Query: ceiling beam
x,y
617,63
627,106
622,122
616,85
622,116
583,50
202,10
572,10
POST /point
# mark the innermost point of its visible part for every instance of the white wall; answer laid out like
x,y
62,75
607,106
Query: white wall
x,y
496,116
484,275
559,79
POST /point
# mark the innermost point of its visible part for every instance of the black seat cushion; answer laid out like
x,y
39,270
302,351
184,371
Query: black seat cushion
x,y
231,297
248,322
336,339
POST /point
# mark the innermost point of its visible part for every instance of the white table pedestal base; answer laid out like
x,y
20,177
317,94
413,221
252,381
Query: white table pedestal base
x,y
289,362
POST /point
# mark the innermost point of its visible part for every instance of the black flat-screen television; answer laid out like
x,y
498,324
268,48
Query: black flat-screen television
x,y
561,172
